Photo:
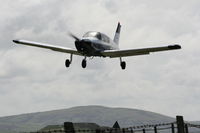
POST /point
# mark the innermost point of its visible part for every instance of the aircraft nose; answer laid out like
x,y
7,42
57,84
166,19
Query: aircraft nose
x,y
86,41
83,45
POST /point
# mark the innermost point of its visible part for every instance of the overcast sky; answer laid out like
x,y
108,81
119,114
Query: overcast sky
x,y
34,79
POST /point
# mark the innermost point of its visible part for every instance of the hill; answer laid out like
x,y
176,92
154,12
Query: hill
x,y
103,116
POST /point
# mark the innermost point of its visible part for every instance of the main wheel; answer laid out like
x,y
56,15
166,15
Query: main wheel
x,y
84,63
67,63
123,65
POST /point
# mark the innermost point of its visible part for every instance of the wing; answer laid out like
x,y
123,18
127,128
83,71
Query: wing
x,y
134,52
48,46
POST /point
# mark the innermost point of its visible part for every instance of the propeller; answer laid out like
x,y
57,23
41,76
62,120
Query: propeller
x,y
73,36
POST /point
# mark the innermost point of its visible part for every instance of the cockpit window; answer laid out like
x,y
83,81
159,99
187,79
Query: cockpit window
x,y
98,35
93,34
105,38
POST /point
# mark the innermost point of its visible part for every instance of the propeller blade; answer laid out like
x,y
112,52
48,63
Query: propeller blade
x,y
73,36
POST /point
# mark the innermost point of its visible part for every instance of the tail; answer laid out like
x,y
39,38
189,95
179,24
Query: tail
x,y
117,34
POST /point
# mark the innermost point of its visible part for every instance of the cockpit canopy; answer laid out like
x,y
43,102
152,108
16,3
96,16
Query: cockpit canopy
x,y
97,35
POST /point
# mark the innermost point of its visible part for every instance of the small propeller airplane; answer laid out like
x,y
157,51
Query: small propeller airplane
x,y
98,44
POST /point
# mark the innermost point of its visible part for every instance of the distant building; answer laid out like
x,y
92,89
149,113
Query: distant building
x,y
80,127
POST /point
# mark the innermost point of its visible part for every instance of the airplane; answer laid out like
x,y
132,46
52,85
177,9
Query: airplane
x,y
97,44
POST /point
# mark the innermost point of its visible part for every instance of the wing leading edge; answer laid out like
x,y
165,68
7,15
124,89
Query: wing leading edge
x,y
135,52
106,53
48,46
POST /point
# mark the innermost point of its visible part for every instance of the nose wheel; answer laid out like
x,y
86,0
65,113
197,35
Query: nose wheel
x,y
123,65
84,63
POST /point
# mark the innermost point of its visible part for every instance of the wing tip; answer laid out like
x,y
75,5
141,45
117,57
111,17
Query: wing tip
x,y
16,41
176,46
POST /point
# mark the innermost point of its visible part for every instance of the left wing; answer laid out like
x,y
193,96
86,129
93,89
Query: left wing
x,y
48,46
134,52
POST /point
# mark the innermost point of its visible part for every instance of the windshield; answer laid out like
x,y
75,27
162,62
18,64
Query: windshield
x,y
98,35
93,34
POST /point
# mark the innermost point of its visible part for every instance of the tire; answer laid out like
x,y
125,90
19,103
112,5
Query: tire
x,y
67,63
84,63
123,65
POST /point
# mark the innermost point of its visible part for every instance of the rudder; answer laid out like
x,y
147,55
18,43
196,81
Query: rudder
x,y
117,34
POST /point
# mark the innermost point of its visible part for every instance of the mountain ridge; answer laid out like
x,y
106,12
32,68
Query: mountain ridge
x,y
45,111
101,115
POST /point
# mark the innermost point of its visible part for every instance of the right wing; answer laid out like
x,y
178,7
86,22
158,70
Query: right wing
x,y
134,52
48,46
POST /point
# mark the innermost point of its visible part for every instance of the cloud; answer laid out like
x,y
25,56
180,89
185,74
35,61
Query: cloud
x,y
35,79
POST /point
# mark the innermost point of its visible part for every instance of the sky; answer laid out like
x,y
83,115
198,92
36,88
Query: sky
x,y
35,80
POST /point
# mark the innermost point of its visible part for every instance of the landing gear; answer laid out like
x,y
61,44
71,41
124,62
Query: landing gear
x,y
122,64
84,63
68,62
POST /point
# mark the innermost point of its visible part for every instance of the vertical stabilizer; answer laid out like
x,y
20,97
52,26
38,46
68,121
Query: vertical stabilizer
x,y
117,34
